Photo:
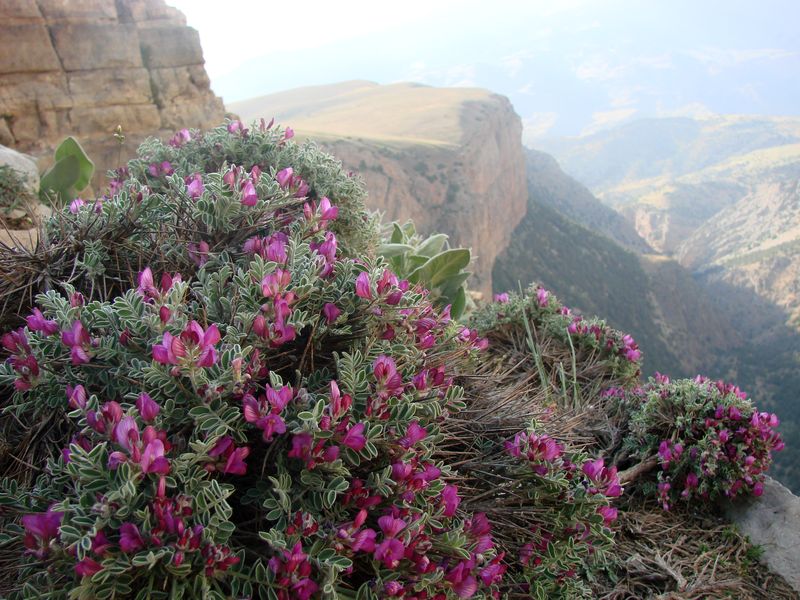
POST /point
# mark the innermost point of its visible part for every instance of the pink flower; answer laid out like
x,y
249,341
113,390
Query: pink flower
x,y
609,514
195,187
76,205
331,312
450,500
77,338
170,351
203,340
274,283
249,195
153,459
40,530
389,380
130,540
542,297
288,134
147,407
147,286
415,433
327,212
233,456
87,567
605,479
501,298
354,438
363,287
284,177
76,397
37,322
389,552
126,433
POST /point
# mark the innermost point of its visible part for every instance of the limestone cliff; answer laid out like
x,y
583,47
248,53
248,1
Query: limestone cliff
x,y
450,159
82,67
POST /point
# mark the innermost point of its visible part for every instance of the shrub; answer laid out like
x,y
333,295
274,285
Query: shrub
x,y
265,427
705,438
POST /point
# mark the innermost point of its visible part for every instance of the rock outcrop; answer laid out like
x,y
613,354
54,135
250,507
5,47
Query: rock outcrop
x,y
772,521
83,67
450,159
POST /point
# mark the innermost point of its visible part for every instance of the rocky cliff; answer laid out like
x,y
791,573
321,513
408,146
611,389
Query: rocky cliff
x,y
83,67
450,159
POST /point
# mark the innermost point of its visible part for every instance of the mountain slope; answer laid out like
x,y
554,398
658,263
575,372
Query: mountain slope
x,y
651,297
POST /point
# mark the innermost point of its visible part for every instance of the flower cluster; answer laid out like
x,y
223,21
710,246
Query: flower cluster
x,y
280,389
706,436
573,515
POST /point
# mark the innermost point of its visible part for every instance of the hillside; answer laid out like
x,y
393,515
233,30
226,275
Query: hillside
x,y
668,176
591,272
447,158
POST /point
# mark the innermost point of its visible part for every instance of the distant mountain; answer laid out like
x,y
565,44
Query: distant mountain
x,y
572,199
652,297
668,176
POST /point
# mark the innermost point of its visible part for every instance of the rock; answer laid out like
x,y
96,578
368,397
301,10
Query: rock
x,y
170,47
83,67
23,164
772,521
90,46
26,49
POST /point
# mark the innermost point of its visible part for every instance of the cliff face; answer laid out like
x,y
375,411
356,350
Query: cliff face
x,y
449,159
82,67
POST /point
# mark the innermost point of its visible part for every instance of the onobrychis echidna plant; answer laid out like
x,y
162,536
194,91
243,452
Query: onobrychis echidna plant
x,y
223,391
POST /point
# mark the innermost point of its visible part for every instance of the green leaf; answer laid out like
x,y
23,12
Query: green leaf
x,y
71,148
432,246
459,304
391,250
441,267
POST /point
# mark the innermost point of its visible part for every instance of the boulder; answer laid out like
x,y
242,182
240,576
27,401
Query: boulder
x,y
772,521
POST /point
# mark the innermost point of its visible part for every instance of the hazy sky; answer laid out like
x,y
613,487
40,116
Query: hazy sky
x,y
569,66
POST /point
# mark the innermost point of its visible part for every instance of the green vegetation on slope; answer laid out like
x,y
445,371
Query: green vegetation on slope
x,y
589,272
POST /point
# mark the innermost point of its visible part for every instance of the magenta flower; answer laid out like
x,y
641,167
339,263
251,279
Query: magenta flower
x,y
389,552
126,433
130,540
604,479
40,530
274,283
331,312
501,298
77,338
170,351
288,134
233,457
276,249
264,415
354,438
249,195
450,500
415,433
76,205
180,138
147,407
195,187
363,287
76,397
37,322
87,567
542,297
284,177
153,459
147,286
609,514
390,382
327,212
